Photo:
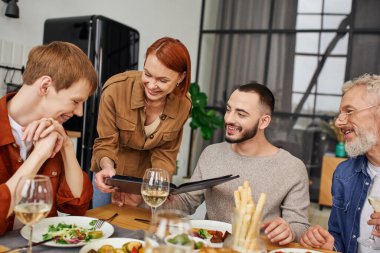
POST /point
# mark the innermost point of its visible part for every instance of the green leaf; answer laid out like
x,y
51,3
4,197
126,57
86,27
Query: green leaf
x,y
46,236
204,234
61,241
92,223
211,113
194,89
206,133
194,125
206,120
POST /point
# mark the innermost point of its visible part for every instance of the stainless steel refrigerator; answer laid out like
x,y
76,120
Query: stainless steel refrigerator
x,y
112,47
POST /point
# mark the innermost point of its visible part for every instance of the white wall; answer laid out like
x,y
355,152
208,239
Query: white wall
x,y
152,18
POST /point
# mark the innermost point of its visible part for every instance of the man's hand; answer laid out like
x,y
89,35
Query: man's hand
x,y
278,231
100,180
375,221
317,237
121,198
45,147
39,129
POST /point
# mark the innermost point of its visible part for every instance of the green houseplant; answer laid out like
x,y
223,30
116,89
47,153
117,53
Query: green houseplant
x,y
202,118
205,119
335,133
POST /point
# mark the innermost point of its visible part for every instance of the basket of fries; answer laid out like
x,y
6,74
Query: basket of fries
x,y
246,221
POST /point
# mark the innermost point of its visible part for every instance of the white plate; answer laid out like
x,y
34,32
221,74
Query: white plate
x,y
115,242
212,225
42,227
294,250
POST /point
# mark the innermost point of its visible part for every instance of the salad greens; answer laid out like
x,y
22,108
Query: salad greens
x,y
71,233
183,239
204,234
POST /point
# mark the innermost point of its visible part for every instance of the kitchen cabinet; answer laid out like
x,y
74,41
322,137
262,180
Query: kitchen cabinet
x,y
329,163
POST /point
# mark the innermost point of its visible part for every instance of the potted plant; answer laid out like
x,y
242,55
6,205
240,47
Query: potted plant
x,y
340,150
205,119
336,134
202,118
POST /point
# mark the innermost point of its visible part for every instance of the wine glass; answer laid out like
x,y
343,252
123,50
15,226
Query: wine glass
x,y
374,200
155,188
169,232
33,200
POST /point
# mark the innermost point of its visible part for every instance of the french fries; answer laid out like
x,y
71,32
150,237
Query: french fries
x,y
247,216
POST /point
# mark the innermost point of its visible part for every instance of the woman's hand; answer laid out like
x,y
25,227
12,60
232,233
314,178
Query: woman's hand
x,y
129,199
317,237
100,180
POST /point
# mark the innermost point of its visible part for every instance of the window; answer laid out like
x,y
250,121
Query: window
x,y
302,50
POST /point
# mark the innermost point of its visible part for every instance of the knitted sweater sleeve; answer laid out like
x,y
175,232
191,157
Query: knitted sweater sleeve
x,y
295,205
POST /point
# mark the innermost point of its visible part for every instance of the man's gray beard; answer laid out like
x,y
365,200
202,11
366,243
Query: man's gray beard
x,y
362,144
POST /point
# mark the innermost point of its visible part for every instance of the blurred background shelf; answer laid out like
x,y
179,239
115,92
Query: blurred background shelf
x,y
329,163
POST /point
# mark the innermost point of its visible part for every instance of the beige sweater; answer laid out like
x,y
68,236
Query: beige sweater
x,y
282,177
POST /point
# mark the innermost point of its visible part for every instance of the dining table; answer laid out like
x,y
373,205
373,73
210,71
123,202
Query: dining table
x,y
130,223
132,217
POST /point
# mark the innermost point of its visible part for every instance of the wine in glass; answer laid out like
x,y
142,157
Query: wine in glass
x,y
374,201
155,188
33,200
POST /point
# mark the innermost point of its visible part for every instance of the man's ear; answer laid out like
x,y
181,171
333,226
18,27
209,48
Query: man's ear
x,y
46,83
265,121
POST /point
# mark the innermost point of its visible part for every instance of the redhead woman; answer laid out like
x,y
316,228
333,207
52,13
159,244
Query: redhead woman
x,y
141,118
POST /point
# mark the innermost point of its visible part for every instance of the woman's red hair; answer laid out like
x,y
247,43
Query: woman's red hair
x,y
175,56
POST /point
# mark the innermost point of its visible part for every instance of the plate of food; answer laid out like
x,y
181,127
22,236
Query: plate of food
x,y
293,250
213,232
70,231
119,245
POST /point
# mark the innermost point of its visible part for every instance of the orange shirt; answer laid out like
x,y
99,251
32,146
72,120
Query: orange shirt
x,y
10,161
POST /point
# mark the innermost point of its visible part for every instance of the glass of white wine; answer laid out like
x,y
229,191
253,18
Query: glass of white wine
x,y
370,243
155,188
169,232
33,200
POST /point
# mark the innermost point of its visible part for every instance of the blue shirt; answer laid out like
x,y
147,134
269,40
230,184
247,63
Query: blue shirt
x,y
349,190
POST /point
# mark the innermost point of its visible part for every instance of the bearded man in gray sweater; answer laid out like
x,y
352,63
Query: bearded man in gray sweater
x,y
248,153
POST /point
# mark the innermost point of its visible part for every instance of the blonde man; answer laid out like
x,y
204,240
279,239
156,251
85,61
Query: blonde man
x,y
58,79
